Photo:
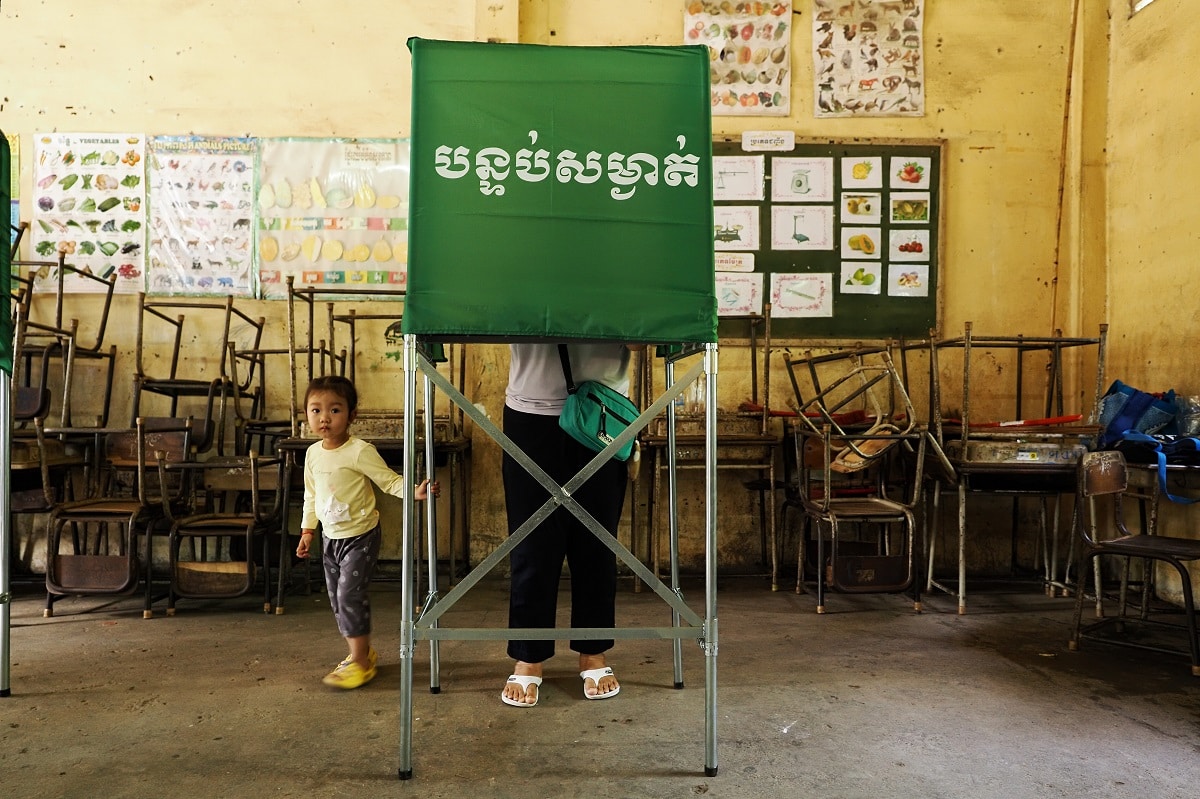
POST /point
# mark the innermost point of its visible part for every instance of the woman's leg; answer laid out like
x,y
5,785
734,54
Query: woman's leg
x,y
536,563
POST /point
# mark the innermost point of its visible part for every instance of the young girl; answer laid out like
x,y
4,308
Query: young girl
x,y
338,472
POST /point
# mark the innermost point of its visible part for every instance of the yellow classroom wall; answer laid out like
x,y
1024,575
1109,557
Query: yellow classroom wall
x,y
1015,257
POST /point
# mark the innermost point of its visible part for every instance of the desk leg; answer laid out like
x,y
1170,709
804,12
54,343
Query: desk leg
x,y
769,512
655,493
962,547
284,542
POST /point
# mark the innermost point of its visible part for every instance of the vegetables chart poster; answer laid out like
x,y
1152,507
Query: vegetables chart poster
x,y
332,212
88,197
201,212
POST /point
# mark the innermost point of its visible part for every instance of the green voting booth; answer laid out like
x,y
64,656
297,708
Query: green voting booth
x,y
6,363
559,194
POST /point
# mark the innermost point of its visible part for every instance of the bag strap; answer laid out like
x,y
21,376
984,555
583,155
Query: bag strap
x,y
566,367
1133,435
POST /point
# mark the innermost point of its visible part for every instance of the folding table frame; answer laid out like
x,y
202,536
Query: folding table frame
x,y
686,623
1035,458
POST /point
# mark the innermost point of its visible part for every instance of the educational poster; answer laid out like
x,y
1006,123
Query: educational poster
x,y
908,245
332,212
802,180
801,227
749,54
14,149
739,294
14,189
860,242
861,278
861,208
89,204
909,280
909,173
736,227
737,178
201,212
910,208
801,295
863,172
867,58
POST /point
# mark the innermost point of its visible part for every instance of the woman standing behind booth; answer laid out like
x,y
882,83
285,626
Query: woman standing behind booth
x,y
537,389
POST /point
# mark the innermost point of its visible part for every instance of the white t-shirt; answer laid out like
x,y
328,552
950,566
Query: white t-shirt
x,y
535,376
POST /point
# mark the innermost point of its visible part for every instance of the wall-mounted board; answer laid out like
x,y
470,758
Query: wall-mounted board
x,y
841,238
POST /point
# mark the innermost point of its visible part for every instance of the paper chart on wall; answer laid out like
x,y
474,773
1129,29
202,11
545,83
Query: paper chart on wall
x,y
801,227
867,58
332,212
749,53
735,227
201,212
801,180
739,294
14,151
89,205
737,178
800,295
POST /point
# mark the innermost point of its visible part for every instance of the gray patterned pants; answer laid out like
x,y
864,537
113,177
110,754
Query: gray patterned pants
x,y
348,565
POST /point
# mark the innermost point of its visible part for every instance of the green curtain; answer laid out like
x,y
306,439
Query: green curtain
x,y
560,193
6,329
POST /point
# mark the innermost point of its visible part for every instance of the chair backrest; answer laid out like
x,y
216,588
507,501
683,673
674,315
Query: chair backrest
x,y
894,457
1100,475
858,394
259,483
145,449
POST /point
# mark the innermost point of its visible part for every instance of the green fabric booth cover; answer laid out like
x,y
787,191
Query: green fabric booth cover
x,y
560,193
6,329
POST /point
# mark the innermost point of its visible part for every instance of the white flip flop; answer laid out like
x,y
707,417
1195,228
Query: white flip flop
x,y
523,681
595,675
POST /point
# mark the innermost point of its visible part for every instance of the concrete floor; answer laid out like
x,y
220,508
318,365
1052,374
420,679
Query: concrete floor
x,y
870,700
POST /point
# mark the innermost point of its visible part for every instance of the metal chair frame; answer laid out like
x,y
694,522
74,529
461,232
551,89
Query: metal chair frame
x,y
149,504
1104,476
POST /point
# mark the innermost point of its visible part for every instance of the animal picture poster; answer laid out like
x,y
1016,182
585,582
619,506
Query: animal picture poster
x,y
90,206
749,54
868,58
332,212
201,215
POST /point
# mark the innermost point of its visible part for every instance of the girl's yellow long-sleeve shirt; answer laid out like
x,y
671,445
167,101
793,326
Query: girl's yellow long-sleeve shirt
x,y
337,488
